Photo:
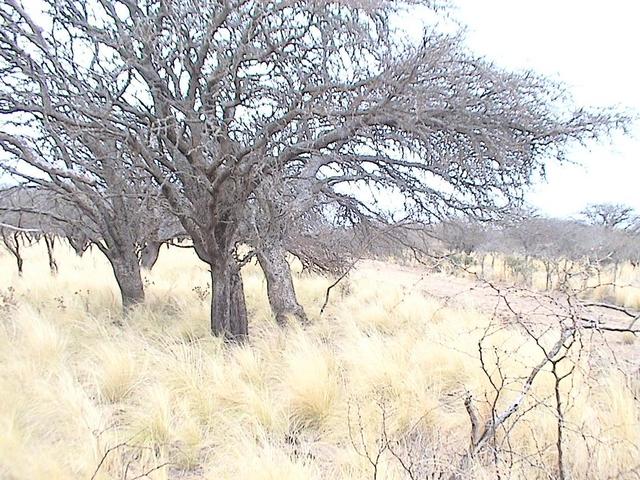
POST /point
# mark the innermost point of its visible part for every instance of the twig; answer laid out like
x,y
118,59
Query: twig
x,y
20,229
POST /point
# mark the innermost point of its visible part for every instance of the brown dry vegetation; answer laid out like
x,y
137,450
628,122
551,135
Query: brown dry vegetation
x,y
88,394
614,283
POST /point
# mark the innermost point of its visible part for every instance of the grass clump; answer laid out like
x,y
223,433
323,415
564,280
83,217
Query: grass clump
x,y
154,391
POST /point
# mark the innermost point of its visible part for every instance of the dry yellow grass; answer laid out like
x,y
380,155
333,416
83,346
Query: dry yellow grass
x,y
616,284
78,387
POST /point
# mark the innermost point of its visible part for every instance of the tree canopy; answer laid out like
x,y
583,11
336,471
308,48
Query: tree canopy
x,y
226,107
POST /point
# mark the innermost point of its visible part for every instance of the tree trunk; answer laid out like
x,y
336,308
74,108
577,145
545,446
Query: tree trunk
x,y
228,308
12,242
127,273
282,295
149,255
49,242
547,269
79,245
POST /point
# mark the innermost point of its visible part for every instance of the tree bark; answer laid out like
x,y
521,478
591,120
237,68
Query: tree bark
x,y
282,295
127,272
547,269
12,242
49,242
228,308
149,255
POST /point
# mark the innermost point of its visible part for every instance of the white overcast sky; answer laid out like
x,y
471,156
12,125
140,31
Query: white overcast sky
x,y
590,45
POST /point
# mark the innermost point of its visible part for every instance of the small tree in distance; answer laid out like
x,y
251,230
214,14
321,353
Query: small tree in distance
x,y
610,215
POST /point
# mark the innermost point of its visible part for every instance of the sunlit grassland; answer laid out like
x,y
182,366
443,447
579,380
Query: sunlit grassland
x,y
82,385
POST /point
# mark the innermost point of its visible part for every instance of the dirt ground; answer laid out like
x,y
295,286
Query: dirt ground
x,y
516,305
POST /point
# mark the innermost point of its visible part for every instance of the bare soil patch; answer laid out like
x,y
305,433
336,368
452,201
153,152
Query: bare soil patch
x,y
513,304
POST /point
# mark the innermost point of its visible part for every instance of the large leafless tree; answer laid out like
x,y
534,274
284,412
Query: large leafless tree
x,y
213,97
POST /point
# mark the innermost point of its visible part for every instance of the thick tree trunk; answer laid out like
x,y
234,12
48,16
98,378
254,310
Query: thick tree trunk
x,y
228,308
282,296
149,255
127,273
